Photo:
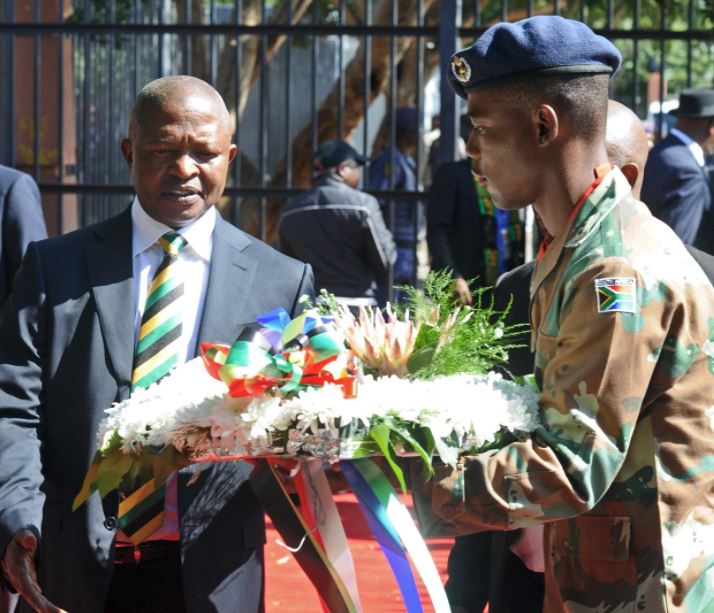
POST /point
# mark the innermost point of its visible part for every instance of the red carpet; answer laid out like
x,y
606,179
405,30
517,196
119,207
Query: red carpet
x,y
287,588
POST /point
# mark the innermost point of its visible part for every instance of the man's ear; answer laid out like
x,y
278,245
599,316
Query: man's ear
x,y
546,123
232,151
631,172
127,152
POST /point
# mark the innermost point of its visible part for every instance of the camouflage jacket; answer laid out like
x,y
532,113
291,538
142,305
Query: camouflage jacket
x,y
621,471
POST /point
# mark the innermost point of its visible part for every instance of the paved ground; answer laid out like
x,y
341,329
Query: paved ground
x,y
289,591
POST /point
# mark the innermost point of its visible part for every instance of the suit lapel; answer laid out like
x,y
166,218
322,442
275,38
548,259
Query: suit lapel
x,y
229,284
111,277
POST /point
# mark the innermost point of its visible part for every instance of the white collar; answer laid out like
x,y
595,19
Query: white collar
x,y
146,231
692,145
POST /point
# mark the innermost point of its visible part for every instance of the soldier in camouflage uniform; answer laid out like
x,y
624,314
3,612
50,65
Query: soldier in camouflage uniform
x,y
621,470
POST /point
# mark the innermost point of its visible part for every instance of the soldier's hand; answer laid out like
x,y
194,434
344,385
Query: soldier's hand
x,y
18,564
462,291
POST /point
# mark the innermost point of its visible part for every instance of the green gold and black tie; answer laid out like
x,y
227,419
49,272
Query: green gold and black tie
x,y
157,352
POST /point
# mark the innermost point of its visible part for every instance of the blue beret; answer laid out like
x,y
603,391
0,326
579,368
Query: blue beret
x,y
527,49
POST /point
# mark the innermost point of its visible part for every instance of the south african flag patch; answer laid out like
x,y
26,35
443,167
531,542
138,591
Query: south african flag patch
x,y
616,294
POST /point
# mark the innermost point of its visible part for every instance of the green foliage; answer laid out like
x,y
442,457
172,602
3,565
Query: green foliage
x,y
456,338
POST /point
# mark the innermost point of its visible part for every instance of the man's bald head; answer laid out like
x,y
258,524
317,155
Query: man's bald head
x,y
626,143
176,90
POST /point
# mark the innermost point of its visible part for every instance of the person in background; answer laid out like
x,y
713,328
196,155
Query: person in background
x,y
676,184
338,229
466,234
108,309
21,222
408,222
619,314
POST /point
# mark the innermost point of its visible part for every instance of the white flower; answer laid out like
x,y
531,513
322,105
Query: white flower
x,y
193,411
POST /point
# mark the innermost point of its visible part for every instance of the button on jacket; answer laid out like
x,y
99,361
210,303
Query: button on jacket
x,y
340,231
621,469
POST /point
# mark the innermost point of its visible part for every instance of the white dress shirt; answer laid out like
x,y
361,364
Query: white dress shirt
x,y
193,265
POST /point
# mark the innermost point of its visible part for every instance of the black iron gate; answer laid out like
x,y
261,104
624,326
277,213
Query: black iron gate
x,y
293,72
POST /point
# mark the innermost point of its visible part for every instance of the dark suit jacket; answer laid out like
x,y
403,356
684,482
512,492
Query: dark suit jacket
x,y
676,188
21,222
66,345
453,226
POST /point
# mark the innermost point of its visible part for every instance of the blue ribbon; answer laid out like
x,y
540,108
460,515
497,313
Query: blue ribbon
x,y
383,530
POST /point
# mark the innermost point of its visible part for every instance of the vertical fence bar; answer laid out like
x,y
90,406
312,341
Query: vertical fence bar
x,y
690,24
367,88
187,39
504,10
313,80
529,8
416,226
392,110
87,50
160,65
238,18
37,66
135,50
10,7
340,77
262,121
447,47
111,142
663,59
478,18
288,85
60,123
213,55
635,58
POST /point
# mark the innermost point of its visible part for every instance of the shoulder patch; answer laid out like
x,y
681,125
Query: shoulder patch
x,y
616,294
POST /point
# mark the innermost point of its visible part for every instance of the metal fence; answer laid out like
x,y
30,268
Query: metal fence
x,y
293,72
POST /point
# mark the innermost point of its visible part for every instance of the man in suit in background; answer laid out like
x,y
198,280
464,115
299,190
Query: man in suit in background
x,y
676,185
67,348
21,222
465,232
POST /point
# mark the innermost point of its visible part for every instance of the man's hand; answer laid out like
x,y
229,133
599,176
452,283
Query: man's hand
x,y
462,291
18,564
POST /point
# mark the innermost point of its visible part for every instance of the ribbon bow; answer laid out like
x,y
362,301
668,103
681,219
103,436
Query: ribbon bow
x,y
284,354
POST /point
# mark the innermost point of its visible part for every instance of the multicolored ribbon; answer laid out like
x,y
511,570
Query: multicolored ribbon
x,y
286,354
306,547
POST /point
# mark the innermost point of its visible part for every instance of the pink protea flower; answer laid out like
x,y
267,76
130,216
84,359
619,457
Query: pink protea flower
x,y
383,345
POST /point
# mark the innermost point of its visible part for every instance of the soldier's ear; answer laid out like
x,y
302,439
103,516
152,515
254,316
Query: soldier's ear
x,y
546,124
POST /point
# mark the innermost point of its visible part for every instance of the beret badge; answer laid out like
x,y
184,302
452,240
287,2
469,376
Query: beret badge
x,y
461,69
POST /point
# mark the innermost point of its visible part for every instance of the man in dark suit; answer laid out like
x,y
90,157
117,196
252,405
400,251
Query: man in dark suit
x,y
67,341
676,185
21,222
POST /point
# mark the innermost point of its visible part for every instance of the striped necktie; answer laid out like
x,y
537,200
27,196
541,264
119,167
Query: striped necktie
x,y
157,352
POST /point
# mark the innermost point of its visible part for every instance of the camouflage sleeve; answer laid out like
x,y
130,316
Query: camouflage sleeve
x,y
595,375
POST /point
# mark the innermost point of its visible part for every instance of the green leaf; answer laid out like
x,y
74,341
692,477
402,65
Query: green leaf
x,y
414,444
112,470
381,434
89,485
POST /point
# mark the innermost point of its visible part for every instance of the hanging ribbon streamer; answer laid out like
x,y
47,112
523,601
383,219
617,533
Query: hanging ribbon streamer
x,y
310,556
378,498
319,510
386,535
